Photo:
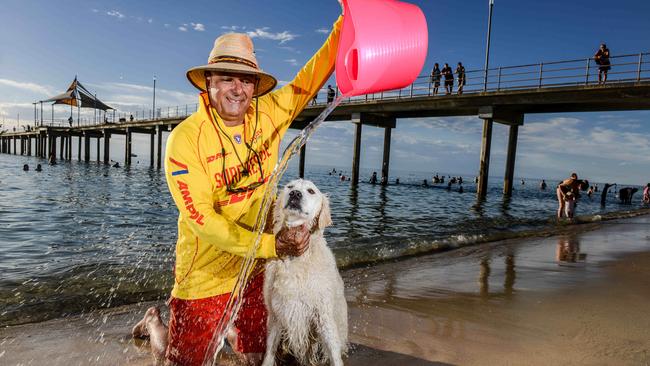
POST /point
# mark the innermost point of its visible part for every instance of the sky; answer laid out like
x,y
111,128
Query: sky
x,y
116,47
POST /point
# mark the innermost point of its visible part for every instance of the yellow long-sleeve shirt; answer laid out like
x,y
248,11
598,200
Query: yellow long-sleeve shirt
x,y
215,226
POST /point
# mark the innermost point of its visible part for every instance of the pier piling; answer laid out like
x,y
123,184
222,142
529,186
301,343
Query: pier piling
x,y
510,162
386,159
486,142
356,119
301,166
107,146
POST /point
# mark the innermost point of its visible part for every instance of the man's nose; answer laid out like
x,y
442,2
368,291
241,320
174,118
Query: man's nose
x,y
238,86
295,194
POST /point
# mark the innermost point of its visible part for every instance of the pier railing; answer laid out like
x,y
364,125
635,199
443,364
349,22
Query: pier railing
x,y
544,75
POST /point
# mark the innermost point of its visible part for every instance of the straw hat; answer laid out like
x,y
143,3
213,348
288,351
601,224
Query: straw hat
x,y
233,52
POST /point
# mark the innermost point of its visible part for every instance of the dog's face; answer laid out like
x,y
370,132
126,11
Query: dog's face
x,y
301,202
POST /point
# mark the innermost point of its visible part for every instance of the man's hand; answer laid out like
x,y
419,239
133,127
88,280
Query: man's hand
x,y
292,242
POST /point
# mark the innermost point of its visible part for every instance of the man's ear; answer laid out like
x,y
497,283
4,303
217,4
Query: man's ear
x,y
324,216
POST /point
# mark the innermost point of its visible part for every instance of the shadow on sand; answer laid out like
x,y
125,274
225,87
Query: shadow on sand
x,y
363,355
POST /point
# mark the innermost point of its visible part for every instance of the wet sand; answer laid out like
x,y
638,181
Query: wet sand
x,y
573,299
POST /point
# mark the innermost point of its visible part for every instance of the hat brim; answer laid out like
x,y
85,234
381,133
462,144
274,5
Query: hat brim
x,y
196,75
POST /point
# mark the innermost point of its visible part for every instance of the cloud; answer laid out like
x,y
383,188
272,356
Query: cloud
x,y
290,49
95,11
198,27
292,61
32,87
183,28
115,13
323,30
263,33
149,20
232,28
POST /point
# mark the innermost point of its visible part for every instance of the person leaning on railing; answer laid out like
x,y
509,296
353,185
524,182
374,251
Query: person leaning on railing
x,y
602,59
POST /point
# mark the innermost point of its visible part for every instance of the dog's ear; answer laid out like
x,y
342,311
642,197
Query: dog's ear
x,y
324,217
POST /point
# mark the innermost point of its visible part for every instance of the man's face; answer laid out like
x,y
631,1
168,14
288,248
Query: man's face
x,y
230,94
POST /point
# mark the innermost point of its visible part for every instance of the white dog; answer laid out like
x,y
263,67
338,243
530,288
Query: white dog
x,y
304,295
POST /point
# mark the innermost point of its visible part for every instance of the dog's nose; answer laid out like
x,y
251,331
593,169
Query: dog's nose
x,y
295,194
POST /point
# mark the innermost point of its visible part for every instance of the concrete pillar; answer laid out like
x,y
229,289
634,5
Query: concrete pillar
x,y
22,145
86,147
159,133
356,119
386,162
15,137
53,147
510,160
127,148
62,147
481,189
152,142
70,148
79,148
98,138
301,166
107,147
29,145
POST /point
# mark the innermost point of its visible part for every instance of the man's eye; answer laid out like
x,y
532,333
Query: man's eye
x,y
311,191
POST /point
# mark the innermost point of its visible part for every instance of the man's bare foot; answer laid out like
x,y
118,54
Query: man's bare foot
x,y
140,330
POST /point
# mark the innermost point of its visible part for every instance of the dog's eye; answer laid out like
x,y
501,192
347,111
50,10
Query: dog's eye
x,y
290,187
311,191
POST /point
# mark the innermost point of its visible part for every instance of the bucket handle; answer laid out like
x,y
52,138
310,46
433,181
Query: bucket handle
x,y
352,63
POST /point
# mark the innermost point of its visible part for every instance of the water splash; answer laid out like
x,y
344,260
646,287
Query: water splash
x,y
234,302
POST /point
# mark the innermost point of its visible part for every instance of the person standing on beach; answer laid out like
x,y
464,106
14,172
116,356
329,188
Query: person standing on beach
x,y
602,59
646,193
218,161
449,78
435,78
567,193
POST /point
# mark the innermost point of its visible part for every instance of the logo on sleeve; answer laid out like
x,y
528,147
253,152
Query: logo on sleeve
x,y
193,213
180,167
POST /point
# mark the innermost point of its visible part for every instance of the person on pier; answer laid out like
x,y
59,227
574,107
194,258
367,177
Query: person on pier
x,y
602,59
217,164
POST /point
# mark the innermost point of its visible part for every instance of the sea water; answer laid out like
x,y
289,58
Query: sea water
x,y
81,236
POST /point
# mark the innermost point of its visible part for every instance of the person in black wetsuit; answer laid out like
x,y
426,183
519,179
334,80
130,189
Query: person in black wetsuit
x,y
603,195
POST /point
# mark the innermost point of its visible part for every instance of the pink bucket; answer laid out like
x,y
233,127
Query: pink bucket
x,y
383,46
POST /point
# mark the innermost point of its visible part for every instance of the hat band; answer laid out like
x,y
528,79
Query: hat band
x,y
236,60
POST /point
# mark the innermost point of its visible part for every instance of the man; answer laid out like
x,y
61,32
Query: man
x,y
602,59
435,78
460,72
217,164
449,78
330,94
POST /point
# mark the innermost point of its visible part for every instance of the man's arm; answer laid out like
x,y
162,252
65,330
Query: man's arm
x,y
189,184
293,97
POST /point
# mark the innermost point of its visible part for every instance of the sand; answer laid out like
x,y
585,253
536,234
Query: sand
x,y
573,299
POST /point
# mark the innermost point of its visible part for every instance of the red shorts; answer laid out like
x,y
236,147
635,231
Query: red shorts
x,y
192,324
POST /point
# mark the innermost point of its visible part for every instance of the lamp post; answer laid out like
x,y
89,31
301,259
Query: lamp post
x,y
487,48
154,97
